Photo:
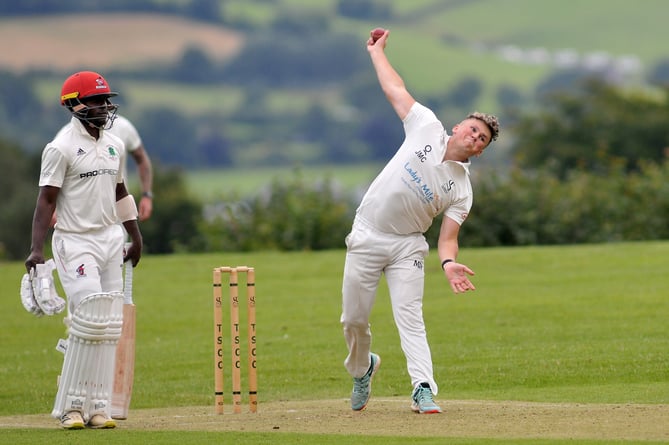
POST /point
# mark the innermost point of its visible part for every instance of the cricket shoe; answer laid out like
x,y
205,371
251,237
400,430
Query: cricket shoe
x,y
362,386
100,421
72,420
422,401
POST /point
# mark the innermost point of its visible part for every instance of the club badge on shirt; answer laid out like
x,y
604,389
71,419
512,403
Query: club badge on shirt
x,y
113,155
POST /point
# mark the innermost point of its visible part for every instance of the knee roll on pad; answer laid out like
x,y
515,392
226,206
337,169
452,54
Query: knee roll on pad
x,y
98,317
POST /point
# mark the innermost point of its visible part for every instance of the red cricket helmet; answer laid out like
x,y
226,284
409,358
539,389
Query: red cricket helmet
x,y
83,85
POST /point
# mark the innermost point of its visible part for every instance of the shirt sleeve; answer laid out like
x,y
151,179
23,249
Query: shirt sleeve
x,y
418,116
54,166
459,210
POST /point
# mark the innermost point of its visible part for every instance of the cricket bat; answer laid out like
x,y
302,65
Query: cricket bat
x,y
124,371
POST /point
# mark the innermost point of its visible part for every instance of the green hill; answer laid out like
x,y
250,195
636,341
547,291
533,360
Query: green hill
x,y
434,43
437,46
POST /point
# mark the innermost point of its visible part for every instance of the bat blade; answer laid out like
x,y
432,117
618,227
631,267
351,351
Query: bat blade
x,y
124,370
125,365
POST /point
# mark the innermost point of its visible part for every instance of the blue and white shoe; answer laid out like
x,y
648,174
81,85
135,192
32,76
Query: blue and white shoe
x,y
362,386
422,401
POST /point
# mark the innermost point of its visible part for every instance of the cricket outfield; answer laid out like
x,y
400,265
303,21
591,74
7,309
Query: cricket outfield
x,y
556,345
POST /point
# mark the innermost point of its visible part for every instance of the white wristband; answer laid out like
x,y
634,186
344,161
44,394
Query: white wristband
x,y
126,209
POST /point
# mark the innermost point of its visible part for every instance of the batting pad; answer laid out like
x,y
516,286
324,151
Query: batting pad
x,y
87,376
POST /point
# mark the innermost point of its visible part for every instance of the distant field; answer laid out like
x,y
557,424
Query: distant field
x,y
434,44
619,27
208,184
128,40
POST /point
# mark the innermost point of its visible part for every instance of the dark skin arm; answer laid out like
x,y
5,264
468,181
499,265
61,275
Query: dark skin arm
x,y
134,252
45,207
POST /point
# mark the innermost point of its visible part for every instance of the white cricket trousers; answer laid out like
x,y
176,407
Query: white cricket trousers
x,y
401,258
89,263
90,271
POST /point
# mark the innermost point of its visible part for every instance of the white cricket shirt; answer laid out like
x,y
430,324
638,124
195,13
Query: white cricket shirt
x,y
87,172
124,130
416,185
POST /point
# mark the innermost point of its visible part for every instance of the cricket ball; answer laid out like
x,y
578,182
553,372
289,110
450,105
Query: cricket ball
x,y
377,33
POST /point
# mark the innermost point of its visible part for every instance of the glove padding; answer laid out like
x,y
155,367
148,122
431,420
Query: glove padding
x,y
28,296
42,297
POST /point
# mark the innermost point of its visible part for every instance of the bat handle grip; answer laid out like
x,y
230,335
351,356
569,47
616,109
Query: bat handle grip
x,y
127,281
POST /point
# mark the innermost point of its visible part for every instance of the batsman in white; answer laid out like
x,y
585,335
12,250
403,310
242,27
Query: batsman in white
x,y
125,353
427,176
81,180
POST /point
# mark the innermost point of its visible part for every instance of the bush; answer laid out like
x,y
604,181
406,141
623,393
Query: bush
x,y
522,208
19,183
538,208
173,226
289,215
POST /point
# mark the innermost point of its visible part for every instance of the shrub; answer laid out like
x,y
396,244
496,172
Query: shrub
x,y
292,215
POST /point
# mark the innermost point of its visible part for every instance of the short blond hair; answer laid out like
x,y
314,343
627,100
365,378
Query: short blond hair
x,y
491,122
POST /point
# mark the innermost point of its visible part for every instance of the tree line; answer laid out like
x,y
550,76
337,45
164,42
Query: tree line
x,y
589,167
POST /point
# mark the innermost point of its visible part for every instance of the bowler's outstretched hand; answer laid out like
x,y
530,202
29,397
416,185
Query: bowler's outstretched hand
x,y
378,37
456,274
